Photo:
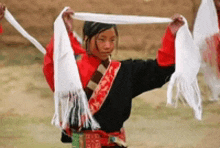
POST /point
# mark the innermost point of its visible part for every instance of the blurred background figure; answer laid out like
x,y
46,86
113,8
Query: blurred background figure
x,y
211,57
216,39
217,5
2,12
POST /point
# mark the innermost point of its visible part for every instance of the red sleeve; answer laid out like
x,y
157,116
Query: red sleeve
x,y
48,68
48,64
166,54
76,45
1,29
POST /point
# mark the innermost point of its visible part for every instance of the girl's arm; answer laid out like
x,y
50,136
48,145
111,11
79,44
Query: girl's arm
x,y
166,54
48,67
150,74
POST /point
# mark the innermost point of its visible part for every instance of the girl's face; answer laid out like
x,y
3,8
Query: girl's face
x,y
217,4
103,44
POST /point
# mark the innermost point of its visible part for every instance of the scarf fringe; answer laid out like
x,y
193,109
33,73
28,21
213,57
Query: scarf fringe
x,y
73,108
190,92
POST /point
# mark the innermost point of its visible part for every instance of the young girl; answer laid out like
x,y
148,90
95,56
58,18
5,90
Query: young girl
x,y
114,83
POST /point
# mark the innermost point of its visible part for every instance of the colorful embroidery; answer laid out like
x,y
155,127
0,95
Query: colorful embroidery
x,y
101,92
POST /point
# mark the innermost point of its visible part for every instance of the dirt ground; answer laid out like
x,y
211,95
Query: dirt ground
x,y
26,102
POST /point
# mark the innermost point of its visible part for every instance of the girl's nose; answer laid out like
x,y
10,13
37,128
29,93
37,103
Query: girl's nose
x,y
107,45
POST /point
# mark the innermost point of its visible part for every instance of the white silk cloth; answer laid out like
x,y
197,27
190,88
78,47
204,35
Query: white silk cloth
x,y
68,86
206,22
66,72
206,25
119,19
18,27
186,69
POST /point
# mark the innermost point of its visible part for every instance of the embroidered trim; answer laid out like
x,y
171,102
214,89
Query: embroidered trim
x,y
101,92
93,83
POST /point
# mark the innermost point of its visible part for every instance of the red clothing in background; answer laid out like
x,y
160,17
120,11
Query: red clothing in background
x,y
1,29
218,49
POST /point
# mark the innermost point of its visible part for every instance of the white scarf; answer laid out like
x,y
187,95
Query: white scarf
x,y
68,87
186,70
119,19
66,73
206,22
206,25
18,27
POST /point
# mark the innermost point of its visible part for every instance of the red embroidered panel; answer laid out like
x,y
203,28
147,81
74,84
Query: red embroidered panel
x,y
101,92
92,140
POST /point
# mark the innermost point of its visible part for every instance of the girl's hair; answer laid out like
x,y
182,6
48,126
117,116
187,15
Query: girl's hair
x,y
93,28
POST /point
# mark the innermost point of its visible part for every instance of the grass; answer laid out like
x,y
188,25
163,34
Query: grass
x,y
139,107
24,56
11,56
22,131
11,130
180,114
43,91
9,79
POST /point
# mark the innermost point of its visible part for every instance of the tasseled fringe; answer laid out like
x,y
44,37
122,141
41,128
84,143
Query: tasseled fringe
x,y
189,90
74,111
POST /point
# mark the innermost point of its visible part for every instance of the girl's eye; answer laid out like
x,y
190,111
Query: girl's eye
x,y
101,39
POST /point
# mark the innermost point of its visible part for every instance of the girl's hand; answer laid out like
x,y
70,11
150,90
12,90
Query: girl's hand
x,y
68,20
2,10
176,24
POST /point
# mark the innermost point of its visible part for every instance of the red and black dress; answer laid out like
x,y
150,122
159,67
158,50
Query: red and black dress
x,y
120,82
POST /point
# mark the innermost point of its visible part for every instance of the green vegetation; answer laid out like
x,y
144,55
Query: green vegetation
x,y
22,131
11,56
161,111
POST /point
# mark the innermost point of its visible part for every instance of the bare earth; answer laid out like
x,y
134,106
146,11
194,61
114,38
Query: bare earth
x,y
26,102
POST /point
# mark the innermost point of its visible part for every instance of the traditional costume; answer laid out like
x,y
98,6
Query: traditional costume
x,y
111,85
